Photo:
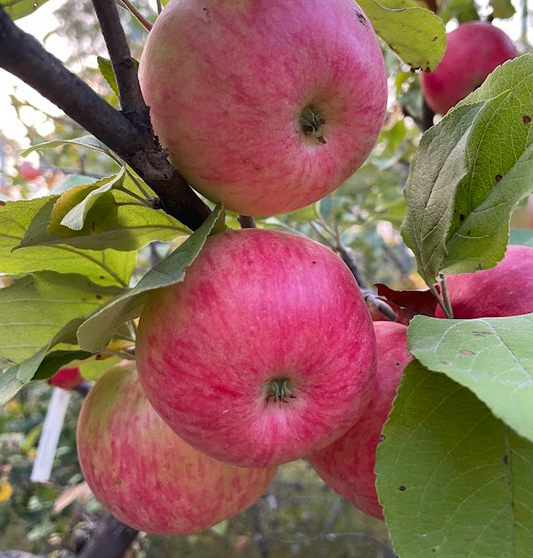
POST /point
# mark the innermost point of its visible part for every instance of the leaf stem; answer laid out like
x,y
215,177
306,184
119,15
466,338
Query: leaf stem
x,y
136,14
446,297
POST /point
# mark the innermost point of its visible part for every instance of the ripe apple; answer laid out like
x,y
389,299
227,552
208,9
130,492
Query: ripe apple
x,y
28,171
347,465
504,290
66,378
473,50
268,105
265,353
144,474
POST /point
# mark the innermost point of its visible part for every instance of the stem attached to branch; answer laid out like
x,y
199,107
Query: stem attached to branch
x,y
129,133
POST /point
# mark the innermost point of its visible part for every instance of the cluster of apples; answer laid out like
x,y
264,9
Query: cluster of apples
x,y
266,352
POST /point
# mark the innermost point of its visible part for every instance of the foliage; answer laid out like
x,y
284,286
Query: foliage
x,y
82,245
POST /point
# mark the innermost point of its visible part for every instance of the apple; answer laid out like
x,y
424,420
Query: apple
x,y
269,105
473,50
66,378
28,171
264,353
504,290
347,465
144,474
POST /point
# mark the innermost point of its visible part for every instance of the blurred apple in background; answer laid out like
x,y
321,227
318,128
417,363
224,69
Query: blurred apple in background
x,y
473,50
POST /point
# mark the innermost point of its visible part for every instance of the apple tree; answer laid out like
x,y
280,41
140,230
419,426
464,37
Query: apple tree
x,y
451,457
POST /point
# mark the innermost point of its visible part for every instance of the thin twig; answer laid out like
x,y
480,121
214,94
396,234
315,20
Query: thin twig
x,y
137,15
439,300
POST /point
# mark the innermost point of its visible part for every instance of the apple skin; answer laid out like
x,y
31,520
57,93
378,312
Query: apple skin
x,y
144,474
66,378
504,290
347,465
473,51
227,82
28,171
258,306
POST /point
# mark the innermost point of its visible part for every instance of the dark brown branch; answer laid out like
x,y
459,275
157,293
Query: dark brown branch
x,y
131,99
246,222
24,57
111,540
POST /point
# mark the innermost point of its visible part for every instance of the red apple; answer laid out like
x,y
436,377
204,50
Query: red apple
x,y
144,474
268,105
348,464
66,378
28,171
265,353
504,290
473,50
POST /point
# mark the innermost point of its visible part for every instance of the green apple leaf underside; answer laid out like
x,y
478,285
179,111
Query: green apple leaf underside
x,y
96,332
89,142
42,363
523,237
415,34
106,69
453,479
470,171
36,307
107,267
492,357
21,8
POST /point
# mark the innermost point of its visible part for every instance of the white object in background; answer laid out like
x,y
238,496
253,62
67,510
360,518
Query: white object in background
x,y
53,424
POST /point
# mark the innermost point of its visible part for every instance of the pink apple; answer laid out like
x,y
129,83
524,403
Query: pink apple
x,y
504,290
144,474
268,105
348,464
265,353
66,378
28,171
474,49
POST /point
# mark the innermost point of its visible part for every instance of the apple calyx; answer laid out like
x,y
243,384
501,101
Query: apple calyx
x,y
279,389
311,122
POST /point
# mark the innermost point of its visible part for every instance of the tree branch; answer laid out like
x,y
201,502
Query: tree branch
x,y
131,138
131,99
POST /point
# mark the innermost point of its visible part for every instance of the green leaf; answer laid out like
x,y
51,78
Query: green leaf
x,y
89,142
93,369
21,8
114,223
502,9
96,332
453,479
438,166
35,308
416,35
18,218
493,357
9,385
55,360
106,69
75,218
463,185
521,236
40,363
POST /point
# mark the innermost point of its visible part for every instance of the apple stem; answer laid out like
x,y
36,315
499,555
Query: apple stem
x,y
444,303
279,389
311,122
